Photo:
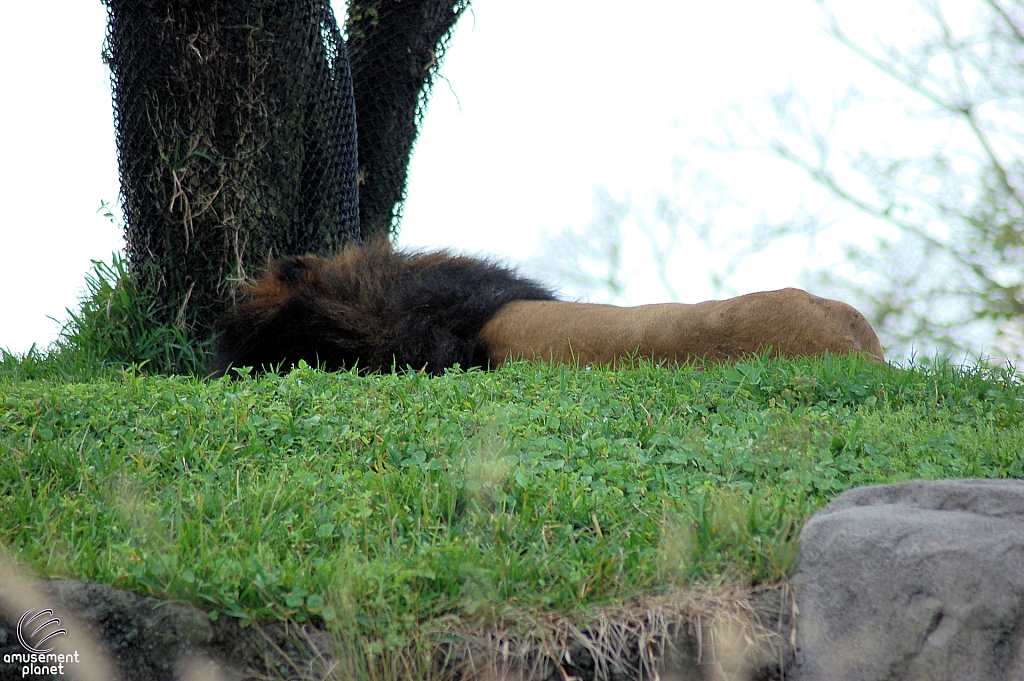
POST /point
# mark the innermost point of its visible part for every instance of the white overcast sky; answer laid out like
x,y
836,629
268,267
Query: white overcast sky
x,y
546,101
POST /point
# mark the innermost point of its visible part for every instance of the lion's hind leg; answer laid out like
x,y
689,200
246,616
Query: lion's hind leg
x,y
790,322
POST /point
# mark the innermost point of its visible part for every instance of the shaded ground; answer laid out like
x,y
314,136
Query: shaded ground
x,y
153,640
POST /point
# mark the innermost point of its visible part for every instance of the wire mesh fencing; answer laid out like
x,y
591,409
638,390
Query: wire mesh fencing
x,y
396,49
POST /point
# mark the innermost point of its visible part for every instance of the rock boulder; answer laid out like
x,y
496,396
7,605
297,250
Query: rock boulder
x,y
915,581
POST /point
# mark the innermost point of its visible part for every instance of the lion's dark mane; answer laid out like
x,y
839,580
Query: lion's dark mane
x,y
372,308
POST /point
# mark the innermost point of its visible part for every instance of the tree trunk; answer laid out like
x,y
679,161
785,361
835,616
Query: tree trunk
x,y
396,50
236,143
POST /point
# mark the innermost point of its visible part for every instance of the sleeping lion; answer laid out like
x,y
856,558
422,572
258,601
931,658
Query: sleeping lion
x,y
372,308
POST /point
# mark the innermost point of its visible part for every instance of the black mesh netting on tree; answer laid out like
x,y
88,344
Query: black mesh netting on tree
x,y
237,134
396,50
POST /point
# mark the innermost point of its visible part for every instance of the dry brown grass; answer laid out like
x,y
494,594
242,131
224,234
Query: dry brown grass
x,y
713,632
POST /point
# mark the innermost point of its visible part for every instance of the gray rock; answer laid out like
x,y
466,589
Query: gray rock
x,y
922,580
157,640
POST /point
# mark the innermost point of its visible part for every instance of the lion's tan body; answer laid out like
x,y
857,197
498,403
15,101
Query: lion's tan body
x,y
372,307
789,321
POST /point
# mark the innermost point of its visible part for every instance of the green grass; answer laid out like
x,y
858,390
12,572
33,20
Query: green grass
x,y
400,498
112,329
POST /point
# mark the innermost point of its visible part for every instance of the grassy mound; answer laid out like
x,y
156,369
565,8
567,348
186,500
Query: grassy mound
x,y
391,502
